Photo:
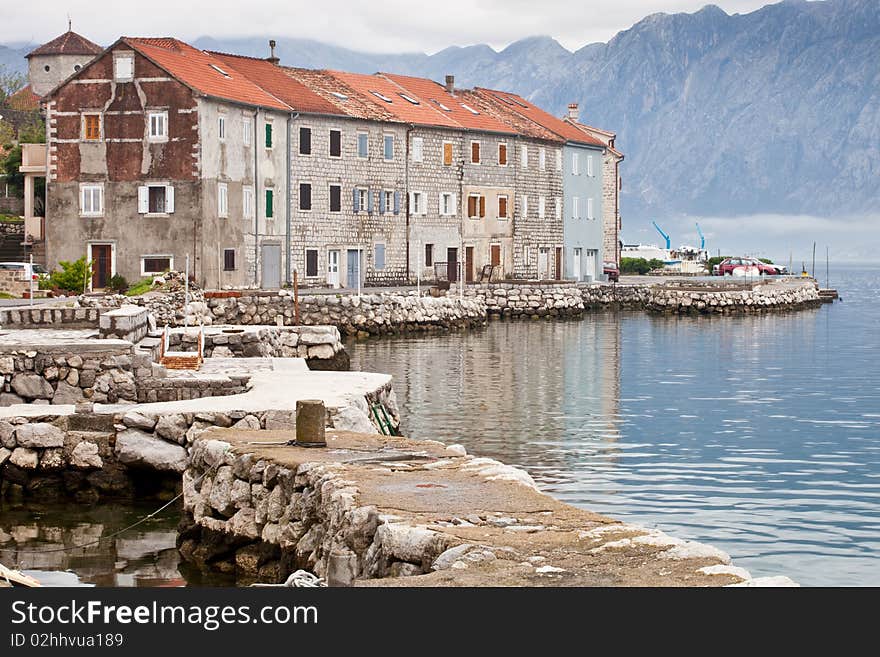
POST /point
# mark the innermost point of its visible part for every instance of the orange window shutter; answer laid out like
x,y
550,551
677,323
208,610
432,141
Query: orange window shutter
x,y
502,207
502,154
472,212
475,152
482,206
447,154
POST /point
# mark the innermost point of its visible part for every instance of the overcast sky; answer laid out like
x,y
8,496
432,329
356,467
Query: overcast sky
x,y
378,26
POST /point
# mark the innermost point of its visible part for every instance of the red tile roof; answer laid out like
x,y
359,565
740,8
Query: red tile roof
x,y
524,108
347,100
204,72
277,82
24,99
603,135
69,43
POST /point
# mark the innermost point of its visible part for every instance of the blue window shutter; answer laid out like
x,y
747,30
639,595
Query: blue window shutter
x,y
355,199
396,202
370,201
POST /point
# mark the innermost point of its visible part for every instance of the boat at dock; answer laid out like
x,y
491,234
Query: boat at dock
x,y
10,578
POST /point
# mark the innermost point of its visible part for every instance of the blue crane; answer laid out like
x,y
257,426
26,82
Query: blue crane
x,y
665,236
702,239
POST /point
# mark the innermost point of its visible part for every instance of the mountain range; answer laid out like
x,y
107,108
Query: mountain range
x,y
775,111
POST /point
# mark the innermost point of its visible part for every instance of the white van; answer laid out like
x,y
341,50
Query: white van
x,y
27,269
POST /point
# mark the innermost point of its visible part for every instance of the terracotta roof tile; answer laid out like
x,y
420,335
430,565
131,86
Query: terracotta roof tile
x,y
24,99
279,83
69,43
524,108
347,100
602,135
204,72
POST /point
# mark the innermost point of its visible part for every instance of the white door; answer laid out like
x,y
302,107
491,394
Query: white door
x,y
333,268
591,265
543,264
576,264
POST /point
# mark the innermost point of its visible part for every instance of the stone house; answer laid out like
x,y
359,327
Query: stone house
x,y
158,154
612,183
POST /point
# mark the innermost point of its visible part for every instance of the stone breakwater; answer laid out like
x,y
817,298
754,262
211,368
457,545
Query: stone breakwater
x,y
376,510
528,299
107,451
373,314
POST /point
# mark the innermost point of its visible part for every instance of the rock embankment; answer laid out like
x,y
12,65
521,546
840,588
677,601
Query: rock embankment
x,y
376,510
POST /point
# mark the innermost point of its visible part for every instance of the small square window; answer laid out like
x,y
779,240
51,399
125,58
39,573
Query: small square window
x,y
475,152
305,141
158,126
429,255
335,198
91,127
228,259
335,143
156,264
418,145
502,207
221,128
156,199
305,196
389,148
123,67
91,200
363,144
388,201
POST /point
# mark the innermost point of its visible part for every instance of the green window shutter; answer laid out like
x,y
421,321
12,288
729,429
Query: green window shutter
x,y
268,135
269,208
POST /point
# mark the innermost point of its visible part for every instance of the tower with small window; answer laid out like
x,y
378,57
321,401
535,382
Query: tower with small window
x,y
55,61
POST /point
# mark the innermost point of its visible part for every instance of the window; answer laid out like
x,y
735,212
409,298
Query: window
x,y
559,160
524,205
91,200
91,127
247,127
429,255
363,144
388,201
335,143
524,156
363,200
502,154
575,164
476,206
542,203
447,204
418,145
123,67
558,208
389,148
542,158
475,152
305,196
575,208
590,165
379,259
222,200
502,207
220,71
268,135
228,259
247,201
158,126
417,203
221,128
381,96
156,264
447,153
270,209
155,199
305,141
590,209
335,198
527,255
311,262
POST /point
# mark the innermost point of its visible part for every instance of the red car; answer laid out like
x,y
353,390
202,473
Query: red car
x,y
611,270
726,267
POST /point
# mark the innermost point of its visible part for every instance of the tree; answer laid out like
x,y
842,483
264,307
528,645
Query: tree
x,y
32,133
10,82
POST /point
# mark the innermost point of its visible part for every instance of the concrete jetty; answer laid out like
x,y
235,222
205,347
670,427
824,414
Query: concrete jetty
x,y
372,510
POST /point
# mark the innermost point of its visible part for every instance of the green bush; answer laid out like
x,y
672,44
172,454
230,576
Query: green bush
x,y
117,283
73,276
141,287
639,265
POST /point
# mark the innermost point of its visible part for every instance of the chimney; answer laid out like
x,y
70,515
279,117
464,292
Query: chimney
x,y
573,112
450,84
272,59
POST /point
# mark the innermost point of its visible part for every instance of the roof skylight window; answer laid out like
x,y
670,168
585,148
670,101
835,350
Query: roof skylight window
x,y
220,71
339,95
409,99
381,96
440,105
470,109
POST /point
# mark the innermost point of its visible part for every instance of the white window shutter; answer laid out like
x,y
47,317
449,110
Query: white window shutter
x,y
169,199
143,199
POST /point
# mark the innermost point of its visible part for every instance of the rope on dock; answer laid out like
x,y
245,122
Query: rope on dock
x,y
300,579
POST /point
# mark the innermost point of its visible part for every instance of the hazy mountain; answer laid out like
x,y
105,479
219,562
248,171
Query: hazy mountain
x,y
12,57
775,111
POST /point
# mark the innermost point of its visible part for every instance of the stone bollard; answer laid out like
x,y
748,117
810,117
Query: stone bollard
x,y
311,417
341,568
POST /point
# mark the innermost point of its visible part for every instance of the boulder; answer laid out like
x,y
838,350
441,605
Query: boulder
x,y
32,386
39,435
172,427
24,458
7,435
4,455
67,394
85,455
135,420
10,399
139,449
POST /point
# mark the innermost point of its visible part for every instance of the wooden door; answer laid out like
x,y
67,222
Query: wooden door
x,y
102,265
495,255
452,265
558,263
469,264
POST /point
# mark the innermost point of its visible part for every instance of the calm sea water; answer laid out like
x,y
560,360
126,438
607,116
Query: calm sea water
x,y
759,435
